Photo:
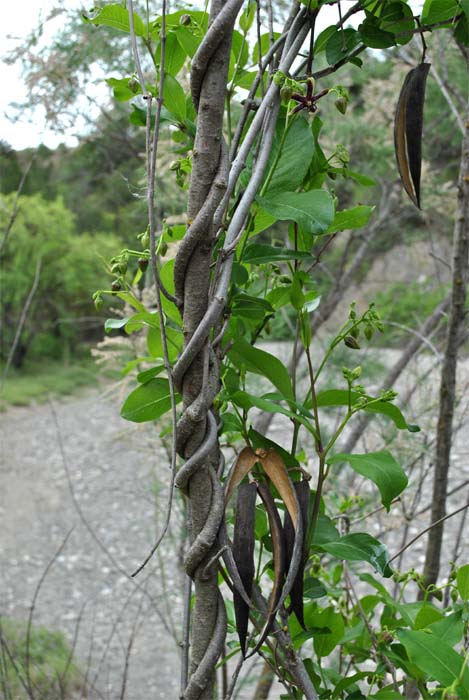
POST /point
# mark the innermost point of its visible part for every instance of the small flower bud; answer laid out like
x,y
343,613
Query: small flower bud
x,y
185,20
116,286
341,104
285,93
133,85
142,264
350,342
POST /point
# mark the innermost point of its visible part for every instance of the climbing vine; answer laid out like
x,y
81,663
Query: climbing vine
x,y
262,204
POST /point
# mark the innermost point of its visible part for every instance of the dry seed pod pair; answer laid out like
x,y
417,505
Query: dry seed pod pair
x,y
408,125
288,550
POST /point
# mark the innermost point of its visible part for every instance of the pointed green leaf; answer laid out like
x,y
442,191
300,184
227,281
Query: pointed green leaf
x,y
381,468
359,546
117,17
435,657
258,254
340,397
263,363
350,218
313,211
114,323
148,401
174,54
462,579
174,97
295,159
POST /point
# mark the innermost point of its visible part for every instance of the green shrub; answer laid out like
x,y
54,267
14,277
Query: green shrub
x,y
46,666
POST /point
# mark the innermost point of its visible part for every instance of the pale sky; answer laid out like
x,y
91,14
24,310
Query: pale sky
x,y
20,18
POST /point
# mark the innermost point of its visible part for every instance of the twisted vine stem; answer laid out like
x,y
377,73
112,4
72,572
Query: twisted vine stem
x,y
201,299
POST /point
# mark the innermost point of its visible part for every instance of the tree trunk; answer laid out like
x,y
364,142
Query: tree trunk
x,y
448,372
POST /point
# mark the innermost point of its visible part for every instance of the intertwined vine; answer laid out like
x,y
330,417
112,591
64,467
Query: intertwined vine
x,y
201,296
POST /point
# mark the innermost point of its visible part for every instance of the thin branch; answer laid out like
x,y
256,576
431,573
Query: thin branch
x,y
427,529
15,210
21,322
33,607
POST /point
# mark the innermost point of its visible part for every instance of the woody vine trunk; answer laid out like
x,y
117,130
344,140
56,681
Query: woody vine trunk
x,y
198,382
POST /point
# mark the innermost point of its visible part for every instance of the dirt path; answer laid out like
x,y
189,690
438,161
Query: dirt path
x,y
112,467
119,481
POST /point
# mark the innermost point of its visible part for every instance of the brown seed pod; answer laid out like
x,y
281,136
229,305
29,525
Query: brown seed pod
x,y
278,550
408,126
296,592
243,553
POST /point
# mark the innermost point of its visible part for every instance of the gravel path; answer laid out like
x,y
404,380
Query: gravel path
x,y
112,467
119,481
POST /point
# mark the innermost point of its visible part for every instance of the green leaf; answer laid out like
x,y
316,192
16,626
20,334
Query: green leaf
x,y
381,468
361,179
435,657
340,397
359,546
148,401
339,40
263,363
325,531
155,342
297,297
247,401
450,628
386,694
113,323
188,40
373,36
258,254
174,97
313,211
147,374
131,299
280,296
321,42
397,17
351,218
295,158
247,17
462,579
141,319
313,588
121,89
329,629
434,11
174,54
265,45
253,308
347,682
427,615
262,221
117,17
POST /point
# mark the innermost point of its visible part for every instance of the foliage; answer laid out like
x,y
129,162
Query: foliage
x,y
43,662
311,184
45,232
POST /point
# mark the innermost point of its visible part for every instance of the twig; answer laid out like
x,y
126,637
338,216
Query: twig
x,y
151,151
427,529
21,322
33,606
14,212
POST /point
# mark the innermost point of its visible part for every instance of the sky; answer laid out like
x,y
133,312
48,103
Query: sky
x,y
31,130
